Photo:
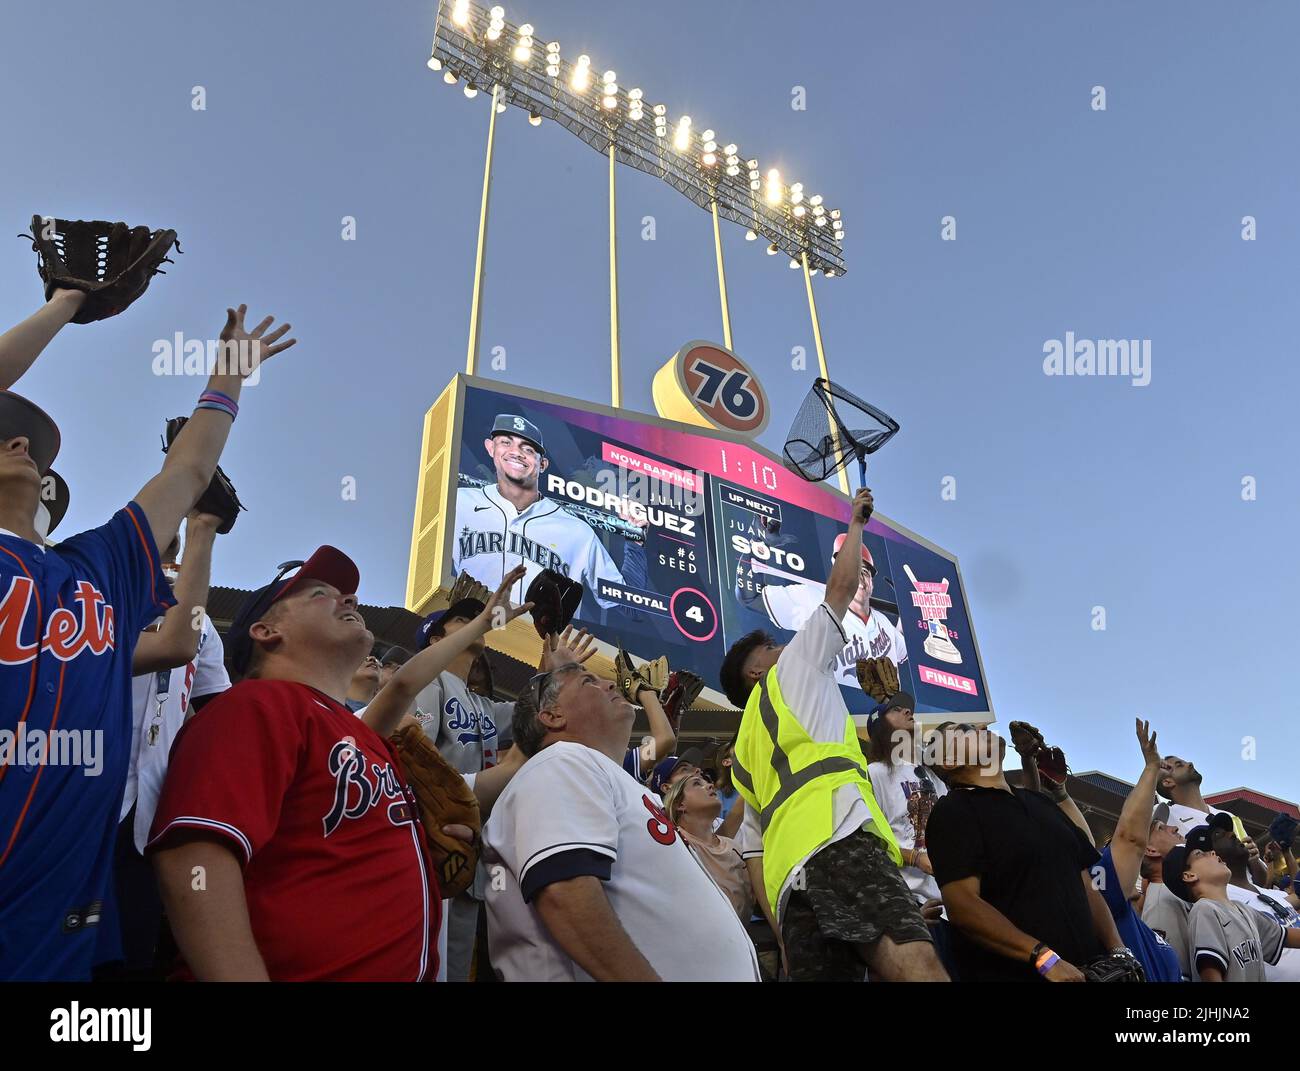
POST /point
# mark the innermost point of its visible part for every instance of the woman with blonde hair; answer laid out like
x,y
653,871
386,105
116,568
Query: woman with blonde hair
x,y
693,806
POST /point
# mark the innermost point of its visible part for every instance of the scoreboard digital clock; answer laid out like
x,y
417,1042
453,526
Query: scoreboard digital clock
x,y
684,538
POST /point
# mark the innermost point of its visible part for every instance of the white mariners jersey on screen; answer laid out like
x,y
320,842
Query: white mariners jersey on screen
x,y
492,537
571,799
791,605
159,703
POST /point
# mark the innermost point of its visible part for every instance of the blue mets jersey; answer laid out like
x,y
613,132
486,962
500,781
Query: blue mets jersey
x,y
70,616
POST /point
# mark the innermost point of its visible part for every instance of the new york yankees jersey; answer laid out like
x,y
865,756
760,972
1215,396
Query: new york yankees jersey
x,y
1275,906
571,811
467,729
315,806
70,616
1230,936
492,537
159,702
791,605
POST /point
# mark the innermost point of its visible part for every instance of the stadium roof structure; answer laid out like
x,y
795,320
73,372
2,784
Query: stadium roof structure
x,y
1252,798
1105,781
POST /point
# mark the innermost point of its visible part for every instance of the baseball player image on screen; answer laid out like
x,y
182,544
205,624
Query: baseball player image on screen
x,y
789,605
512,523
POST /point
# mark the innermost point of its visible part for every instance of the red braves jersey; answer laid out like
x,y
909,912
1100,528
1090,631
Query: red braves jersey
x,y
315,805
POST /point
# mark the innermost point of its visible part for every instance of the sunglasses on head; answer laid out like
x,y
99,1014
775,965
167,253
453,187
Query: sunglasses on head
x,y
538,682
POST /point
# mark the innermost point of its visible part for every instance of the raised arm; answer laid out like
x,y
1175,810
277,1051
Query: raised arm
x,y
1129,843
23,343
662,738
846,573
177,641
385,711
193,456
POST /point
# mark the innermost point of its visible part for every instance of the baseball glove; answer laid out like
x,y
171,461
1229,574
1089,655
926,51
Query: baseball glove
x,y
1051,767
555,600
682,689
110,262
466,587
219,499
651,676
878,678
444,797
1027,740
1115,967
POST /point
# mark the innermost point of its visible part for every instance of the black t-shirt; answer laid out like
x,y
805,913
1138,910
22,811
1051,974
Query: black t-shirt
x,y
1028,857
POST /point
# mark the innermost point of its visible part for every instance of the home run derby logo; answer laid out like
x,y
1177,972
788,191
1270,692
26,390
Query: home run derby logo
x,y
360,784
67,633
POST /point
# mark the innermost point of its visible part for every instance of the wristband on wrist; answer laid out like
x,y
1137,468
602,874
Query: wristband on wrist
x,y
216,400
1047,959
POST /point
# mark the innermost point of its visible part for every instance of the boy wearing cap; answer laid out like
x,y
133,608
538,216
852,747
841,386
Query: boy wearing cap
x,y
292,809
1227,942
72,615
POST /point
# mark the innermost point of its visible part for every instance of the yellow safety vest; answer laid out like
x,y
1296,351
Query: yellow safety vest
x,y
789,781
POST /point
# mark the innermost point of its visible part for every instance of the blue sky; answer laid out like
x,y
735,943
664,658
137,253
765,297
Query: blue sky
x,y
1071,492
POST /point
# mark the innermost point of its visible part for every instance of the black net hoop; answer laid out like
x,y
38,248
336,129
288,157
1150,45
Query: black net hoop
x,y
832,428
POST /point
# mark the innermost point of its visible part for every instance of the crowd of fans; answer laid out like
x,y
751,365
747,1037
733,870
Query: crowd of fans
x,y
264,829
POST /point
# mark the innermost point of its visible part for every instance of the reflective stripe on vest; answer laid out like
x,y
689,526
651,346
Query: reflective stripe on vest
x,y
790,783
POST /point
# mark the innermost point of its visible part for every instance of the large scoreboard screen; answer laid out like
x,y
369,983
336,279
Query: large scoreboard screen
x,y
686,539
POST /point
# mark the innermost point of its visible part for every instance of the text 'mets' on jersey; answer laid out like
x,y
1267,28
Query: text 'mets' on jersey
x,y
70,616
317,810
159,702
492,537
572,811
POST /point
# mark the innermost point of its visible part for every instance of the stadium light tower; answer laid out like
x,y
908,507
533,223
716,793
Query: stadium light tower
x,y
479,46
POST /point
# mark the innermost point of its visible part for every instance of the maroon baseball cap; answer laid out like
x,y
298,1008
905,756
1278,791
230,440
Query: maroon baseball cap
x,y
328,564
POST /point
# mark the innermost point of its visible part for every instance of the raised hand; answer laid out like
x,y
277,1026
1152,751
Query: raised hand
x,y
259,346
1147,742
498,611
863,504
566,648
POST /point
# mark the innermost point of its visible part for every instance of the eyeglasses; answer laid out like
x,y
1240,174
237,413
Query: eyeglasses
x,y
538,681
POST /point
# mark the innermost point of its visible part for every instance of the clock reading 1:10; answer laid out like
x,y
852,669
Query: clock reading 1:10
x,y
768,472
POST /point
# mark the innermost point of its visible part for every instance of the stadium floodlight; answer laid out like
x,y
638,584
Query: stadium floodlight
x,y
480,46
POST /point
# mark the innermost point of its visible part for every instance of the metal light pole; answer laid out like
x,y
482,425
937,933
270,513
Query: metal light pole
x,y
821,363
615,375
722,277
476,302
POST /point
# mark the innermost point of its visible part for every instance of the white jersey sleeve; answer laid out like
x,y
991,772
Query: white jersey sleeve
x,y
749,838
814,648
210,676
790,605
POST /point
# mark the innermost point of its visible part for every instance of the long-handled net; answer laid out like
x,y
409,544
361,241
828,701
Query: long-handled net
x,y
832,428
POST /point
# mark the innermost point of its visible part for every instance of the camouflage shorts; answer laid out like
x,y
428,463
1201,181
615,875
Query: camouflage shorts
x,y
852,894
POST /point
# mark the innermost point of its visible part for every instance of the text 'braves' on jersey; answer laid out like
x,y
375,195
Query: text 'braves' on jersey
x,y
572,811
492,537
70,616
316,808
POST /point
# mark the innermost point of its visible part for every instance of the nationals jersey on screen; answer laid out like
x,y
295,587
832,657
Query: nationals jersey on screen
x,y
70,616
315,806
159,702
492,537
571,811
791,605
